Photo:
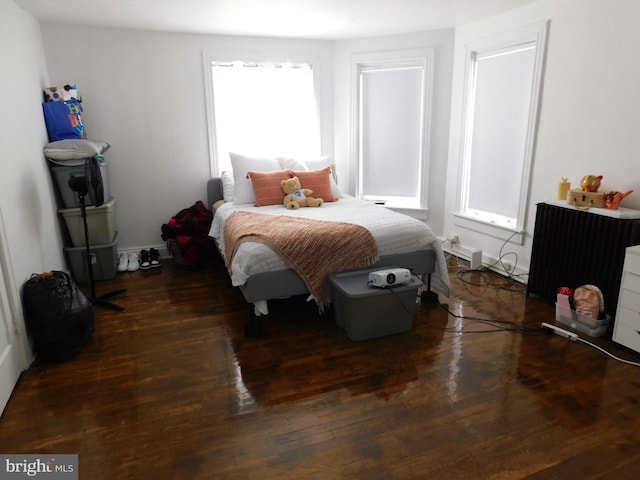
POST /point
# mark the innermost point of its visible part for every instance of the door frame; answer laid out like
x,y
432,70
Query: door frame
x,y
11,309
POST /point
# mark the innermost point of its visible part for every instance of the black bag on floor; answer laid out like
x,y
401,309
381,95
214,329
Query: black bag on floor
x,y
59,317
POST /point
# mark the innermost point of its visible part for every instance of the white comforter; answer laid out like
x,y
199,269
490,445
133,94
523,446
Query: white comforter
x,y
394,233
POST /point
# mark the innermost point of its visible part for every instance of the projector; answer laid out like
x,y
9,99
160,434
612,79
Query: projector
x,y
389,278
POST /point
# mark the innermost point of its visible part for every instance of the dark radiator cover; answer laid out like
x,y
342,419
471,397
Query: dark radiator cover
x,y
576,247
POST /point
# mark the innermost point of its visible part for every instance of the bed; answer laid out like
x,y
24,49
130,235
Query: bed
x,y
263,275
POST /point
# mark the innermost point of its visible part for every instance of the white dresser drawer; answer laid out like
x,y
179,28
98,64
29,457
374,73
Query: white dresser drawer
x,y
630,318
632,260
629,299
627,336
626,329
630,280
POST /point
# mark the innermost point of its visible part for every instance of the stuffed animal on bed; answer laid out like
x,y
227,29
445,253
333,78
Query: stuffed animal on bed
x,y
296,196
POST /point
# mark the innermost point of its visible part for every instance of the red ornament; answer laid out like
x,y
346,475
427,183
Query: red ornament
x,y
565,291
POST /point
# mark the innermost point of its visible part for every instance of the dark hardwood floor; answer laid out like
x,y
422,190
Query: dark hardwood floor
x,y
171,388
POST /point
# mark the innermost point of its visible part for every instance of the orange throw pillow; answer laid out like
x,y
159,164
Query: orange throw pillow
x,y
266,186
317,180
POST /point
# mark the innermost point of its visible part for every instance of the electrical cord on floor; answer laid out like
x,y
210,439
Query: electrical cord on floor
x,y
512,326
574,337
628,362
498,325
518,329
502,255
500,261
505,283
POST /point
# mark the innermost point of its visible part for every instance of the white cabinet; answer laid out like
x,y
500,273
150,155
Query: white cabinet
x,y
626,330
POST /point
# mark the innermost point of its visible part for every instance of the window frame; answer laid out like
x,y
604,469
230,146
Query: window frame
x,y
422,58
466,216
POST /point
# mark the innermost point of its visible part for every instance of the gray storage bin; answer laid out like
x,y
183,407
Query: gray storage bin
x,y
63,170
369,312
104,260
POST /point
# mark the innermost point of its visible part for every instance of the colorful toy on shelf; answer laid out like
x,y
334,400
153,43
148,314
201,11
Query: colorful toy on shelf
x,y
590,183
612,199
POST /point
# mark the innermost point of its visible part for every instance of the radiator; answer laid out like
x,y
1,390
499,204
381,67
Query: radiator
x,y
576,247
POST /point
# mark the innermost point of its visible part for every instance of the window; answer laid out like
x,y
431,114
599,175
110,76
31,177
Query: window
x,y
392,105
501,103
261,109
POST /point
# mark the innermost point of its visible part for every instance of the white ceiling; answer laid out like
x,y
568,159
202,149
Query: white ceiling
x,y
316,19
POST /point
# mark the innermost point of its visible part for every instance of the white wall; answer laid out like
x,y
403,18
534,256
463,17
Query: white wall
x,y
441,41
590,109
143,92
26,195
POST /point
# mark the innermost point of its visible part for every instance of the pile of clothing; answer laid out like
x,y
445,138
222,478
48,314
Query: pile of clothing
x,y
187,237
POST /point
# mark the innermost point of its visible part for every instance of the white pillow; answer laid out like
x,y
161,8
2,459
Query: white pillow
x,y
242,165
227,186
313,164
291,164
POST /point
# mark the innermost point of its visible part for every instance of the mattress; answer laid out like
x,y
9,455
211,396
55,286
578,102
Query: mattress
x,y
394,233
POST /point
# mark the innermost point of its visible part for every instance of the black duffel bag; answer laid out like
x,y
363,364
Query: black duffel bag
x,y
58,316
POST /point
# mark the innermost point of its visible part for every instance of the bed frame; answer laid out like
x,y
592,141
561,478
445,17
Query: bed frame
x,y
287,283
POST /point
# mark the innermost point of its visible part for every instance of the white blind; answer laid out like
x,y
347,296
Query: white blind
x,y
391,131
503,85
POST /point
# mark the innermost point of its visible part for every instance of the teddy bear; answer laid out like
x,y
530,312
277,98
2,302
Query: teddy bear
x,y
296,196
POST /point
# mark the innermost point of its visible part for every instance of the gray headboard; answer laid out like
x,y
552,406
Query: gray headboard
x,y
214,191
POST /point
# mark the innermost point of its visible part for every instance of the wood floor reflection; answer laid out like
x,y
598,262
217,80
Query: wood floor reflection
x,y
171,388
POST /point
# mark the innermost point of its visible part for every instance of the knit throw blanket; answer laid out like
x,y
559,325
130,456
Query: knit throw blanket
x,y
313,248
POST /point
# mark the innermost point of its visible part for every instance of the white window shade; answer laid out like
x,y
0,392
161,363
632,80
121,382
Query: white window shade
x,y
500,125
391,135
501,103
